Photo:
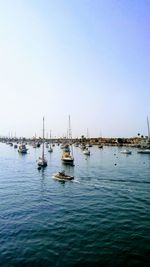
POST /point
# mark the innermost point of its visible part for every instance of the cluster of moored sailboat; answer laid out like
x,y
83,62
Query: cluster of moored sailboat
x,y
67,155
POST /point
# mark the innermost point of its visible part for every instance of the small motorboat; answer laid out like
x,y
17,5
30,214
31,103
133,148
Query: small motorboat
x,y
126,151
63,177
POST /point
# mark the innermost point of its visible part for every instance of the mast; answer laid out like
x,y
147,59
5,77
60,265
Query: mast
x,y
50,138
87,133
148,129
43,142
70,135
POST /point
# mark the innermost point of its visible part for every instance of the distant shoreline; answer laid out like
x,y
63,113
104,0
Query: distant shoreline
x,y
134,141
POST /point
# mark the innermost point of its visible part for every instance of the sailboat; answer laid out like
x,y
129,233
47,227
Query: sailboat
x,y
67,157
146,148
42,162
50,146
148,142
22,149
86,151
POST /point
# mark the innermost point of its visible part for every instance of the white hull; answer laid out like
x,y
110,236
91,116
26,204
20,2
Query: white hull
x,y
68,160
87,153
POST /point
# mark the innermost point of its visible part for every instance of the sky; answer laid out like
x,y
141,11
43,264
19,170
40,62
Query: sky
x,y
89,59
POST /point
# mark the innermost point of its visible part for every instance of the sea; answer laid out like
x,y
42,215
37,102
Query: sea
x,y
101,218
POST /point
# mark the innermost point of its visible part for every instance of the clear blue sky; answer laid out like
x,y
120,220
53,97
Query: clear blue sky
x,y
86,58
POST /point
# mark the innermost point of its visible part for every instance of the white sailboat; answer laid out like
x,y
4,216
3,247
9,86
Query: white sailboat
x,y
148,131
42,162
86,151
146,148
67,157
126,151
22,149
50,146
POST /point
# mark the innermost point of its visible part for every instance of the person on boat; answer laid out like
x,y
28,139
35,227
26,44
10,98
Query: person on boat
x,y
62,173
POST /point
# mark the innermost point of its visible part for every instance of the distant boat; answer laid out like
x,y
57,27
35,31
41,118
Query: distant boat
x,y
89,145
126,151
34,145
22,149
38,144
76,144
144,151
145,144
10,143
50,147
100,146
63,177
148,141
86,152
42,162
82,146
15,146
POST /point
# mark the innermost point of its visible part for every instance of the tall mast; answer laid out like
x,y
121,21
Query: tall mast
x,y
87,133
70,135
148,129
50,138
43,141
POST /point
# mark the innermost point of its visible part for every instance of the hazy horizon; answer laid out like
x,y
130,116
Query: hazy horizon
x,y
89,59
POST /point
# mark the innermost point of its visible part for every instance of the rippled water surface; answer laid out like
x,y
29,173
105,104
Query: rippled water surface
x,y
102,218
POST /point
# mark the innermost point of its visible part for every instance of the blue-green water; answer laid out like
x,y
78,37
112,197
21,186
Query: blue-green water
x,y
102,218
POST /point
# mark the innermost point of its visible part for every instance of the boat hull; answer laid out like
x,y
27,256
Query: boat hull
x,y
22,151
68,161
87,153
126,152
144,151
63,178
42,163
